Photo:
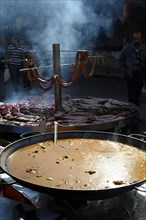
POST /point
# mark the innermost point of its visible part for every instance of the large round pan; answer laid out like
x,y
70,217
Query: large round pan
x,y
71,193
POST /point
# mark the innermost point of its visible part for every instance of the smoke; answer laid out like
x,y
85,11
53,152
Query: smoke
x,y
73,24
45,22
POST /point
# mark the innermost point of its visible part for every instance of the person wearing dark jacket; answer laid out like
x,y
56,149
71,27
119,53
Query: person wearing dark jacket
x,y
131,59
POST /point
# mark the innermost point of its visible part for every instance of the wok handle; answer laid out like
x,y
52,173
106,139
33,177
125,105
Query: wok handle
x,y
141,188
138,136
28,134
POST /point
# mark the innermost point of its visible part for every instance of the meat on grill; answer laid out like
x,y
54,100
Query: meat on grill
x,y
75,111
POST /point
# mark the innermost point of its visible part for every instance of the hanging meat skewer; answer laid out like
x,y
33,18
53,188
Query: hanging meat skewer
x,y
33,73
75,70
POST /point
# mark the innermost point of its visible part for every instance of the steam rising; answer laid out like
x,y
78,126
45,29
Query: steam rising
x,y
58,21
70,23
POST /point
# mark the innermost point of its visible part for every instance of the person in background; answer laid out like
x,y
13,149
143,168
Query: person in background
x,y
26,47
26,51
15,56
130,61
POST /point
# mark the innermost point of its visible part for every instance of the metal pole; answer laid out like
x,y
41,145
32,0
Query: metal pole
x,y
57,89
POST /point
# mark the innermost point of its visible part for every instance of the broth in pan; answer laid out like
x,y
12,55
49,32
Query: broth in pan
x,y
81,164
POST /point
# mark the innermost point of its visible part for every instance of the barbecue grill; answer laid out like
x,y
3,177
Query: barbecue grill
x,y
80,113
86,113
